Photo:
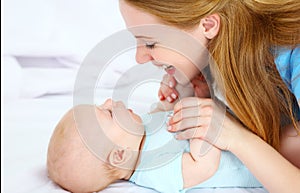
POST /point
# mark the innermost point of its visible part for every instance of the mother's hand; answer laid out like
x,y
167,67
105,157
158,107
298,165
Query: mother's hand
x,y
204,119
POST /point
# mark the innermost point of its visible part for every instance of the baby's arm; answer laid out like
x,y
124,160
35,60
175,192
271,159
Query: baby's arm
x,y
196,171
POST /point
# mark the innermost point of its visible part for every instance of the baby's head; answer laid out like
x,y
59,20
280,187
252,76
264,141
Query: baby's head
x,y
73,166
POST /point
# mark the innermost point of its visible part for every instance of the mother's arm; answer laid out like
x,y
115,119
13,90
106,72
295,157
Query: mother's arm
x,y
274,171
290,143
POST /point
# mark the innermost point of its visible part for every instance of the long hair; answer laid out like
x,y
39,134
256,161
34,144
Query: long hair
x,y
242,52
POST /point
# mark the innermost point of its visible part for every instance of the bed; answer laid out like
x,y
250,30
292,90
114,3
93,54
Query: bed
x,y
40,71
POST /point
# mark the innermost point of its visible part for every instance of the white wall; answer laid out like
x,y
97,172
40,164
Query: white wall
x,y
58,27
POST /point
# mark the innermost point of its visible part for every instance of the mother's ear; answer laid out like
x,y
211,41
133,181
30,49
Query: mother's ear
x,y
118,157
210,25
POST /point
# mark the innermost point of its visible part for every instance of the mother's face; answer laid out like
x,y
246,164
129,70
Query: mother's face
x,y
166,46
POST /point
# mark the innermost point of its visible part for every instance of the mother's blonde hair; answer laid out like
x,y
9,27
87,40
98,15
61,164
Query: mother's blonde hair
x,y
243,53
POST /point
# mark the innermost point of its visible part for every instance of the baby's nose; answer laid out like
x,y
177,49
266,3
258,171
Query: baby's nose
x,y
107,104
119,104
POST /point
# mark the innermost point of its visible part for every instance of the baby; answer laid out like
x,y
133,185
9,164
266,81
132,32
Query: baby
x,y
87,155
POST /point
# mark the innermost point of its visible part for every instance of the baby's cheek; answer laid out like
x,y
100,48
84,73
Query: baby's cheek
x,y
136,124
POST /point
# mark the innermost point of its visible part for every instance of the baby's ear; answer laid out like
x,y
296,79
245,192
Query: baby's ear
x,y
118,157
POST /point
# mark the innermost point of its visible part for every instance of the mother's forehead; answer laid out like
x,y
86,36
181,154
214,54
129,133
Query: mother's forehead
x,y
136,17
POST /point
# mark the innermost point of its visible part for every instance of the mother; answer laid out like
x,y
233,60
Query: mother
x,y
255,46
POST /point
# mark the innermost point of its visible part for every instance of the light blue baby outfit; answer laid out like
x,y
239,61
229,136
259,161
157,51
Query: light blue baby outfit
x,y
160,164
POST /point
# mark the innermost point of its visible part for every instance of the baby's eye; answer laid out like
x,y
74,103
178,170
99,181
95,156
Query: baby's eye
x,y
110,112
150,45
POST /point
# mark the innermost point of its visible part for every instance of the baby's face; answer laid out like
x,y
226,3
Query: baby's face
x,y
121,125
117,109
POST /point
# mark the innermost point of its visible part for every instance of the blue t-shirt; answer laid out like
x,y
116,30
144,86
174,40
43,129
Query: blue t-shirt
x,y
288,64
160,164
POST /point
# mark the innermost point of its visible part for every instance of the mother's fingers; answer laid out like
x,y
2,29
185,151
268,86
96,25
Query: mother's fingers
x,y
191,112
192,133
190,123
201,132
191,102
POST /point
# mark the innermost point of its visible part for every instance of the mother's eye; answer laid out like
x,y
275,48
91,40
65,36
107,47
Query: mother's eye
x,y
150,45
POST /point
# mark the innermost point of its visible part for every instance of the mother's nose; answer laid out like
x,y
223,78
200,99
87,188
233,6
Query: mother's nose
x,y
143,55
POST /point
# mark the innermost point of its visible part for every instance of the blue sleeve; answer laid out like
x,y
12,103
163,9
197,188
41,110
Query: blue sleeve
x,y
288,65
295,82
296,75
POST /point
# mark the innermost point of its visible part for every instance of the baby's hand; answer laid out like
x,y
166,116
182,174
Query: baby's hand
x,y
169,89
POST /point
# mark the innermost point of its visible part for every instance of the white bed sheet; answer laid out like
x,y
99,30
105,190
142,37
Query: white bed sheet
x,y
26,129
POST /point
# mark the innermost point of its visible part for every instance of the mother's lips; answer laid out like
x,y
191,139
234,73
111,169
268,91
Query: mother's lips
x,y
170,70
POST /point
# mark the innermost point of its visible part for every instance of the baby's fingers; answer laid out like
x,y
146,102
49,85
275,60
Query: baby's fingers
x,y
169,80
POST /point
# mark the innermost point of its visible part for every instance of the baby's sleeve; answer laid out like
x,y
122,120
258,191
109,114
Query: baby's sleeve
x,y
166,178
230,174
